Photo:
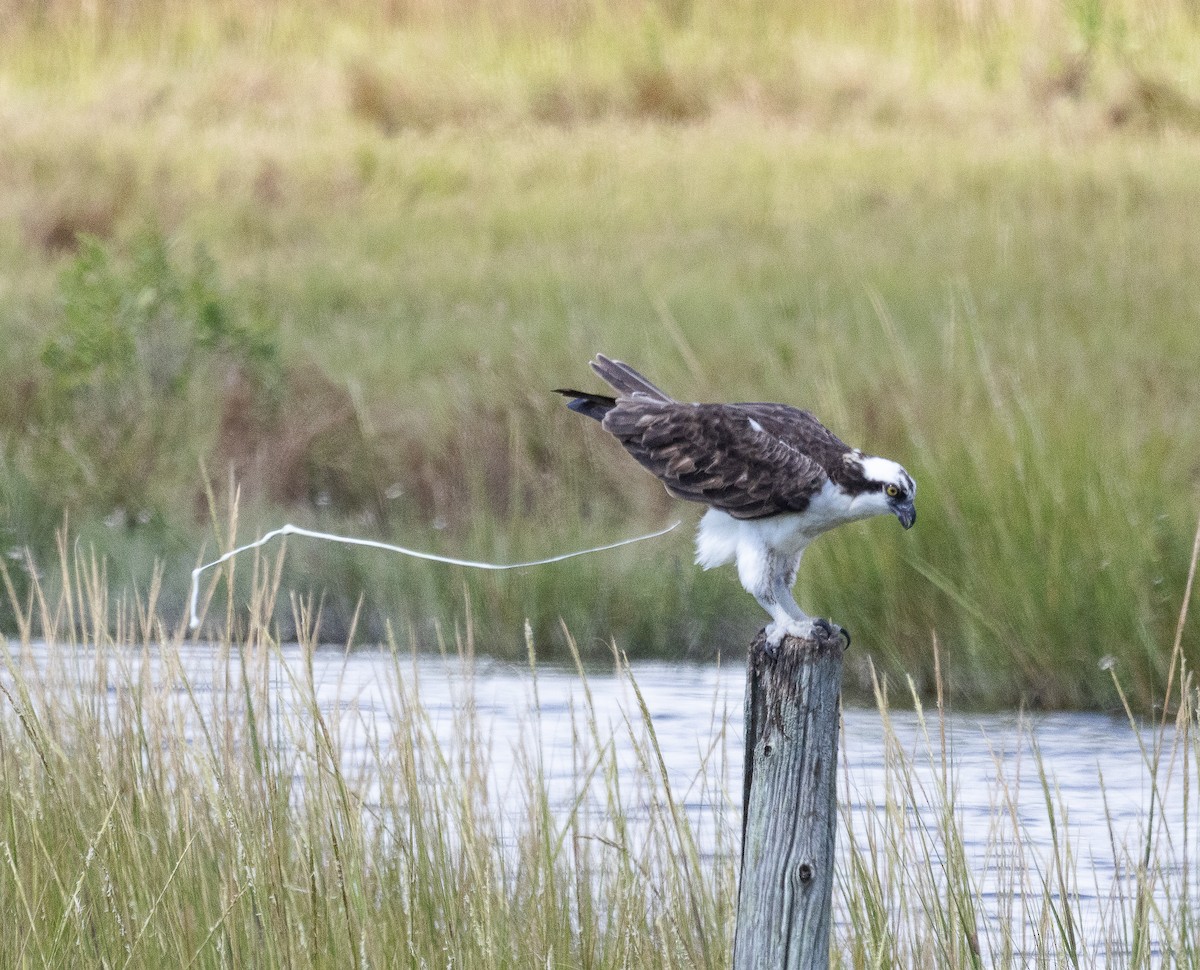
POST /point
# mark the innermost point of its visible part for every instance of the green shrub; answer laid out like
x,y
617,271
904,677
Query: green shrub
x,y
130,398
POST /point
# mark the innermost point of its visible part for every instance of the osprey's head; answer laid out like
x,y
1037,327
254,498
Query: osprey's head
x,y
886,488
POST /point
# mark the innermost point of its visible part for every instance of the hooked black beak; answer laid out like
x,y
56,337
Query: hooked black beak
x,y
906,512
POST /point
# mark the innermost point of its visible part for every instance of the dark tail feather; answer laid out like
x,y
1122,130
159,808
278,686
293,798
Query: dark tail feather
x,y
625,379
592,405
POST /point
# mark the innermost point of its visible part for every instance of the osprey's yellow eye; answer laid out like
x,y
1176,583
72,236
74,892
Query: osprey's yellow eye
x,y
892,491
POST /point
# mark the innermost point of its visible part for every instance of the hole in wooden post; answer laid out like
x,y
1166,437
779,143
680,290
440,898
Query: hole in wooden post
x,y
805,873
767,751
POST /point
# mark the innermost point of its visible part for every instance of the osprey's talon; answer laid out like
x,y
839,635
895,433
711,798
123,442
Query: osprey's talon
x,y
826,631
773,637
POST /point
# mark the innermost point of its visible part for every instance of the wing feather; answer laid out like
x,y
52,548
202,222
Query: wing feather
x,y
626,380
711,453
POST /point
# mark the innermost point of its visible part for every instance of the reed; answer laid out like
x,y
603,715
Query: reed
x,y
149,818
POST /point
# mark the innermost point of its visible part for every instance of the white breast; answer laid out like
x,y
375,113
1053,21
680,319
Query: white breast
x,y
721,538
720,535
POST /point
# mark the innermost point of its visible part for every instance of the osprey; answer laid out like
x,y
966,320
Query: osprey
x,y
773,477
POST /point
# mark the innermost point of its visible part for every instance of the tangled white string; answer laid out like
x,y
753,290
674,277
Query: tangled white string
x,y
295,530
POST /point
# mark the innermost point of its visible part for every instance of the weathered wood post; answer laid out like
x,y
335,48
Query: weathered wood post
x,y
789,801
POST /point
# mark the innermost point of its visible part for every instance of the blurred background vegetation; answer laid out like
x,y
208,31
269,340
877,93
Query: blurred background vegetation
x,y
327,259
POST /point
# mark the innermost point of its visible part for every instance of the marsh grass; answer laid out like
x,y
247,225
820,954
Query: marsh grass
x,y
1016,328
1011,904
242,816
963,234
218,824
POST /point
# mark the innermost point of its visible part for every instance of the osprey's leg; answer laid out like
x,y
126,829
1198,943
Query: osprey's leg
x,y
787,619
772,587
769,580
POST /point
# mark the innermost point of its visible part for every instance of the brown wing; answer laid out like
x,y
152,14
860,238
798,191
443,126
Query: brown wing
x,y
711,453
802,431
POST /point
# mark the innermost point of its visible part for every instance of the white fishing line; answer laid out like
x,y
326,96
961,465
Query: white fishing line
x,y
295,530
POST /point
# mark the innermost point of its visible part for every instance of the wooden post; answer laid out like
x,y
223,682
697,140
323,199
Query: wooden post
x,y
789,801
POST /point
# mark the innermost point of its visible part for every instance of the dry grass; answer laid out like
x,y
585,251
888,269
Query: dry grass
x,y
423,65
151,815
153,818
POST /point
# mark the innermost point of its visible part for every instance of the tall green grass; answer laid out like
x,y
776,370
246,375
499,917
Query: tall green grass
x,y
148,819
151,820
964,236
1016,331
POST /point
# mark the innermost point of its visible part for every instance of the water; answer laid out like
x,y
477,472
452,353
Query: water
x,y
696,713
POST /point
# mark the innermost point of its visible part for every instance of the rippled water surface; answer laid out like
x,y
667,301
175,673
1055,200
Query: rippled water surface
x,y
1094,766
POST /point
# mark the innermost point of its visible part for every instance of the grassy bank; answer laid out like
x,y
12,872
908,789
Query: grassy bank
x,y
147,818
367,243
